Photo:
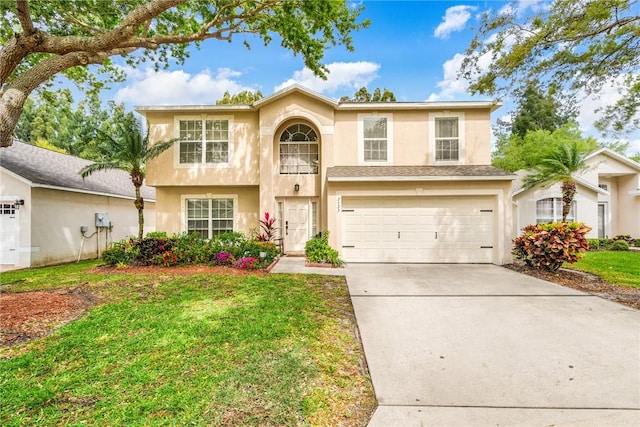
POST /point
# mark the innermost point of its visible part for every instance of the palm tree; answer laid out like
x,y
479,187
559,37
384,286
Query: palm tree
x,y
129,151
562,163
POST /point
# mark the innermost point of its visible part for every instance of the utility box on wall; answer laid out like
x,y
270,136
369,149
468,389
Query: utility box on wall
x,y
102,220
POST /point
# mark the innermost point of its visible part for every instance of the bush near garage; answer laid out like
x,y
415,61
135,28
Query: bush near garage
x,y
191,248
318,251
610,244
548,246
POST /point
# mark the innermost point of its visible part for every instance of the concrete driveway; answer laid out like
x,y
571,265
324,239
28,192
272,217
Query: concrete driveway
x,y
468,345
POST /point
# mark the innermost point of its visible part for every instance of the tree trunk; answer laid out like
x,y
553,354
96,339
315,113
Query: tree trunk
x,y
568,193
139,203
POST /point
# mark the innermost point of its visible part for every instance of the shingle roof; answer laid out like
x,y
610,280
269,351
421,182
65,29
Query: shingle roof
x,y
338,173
47,168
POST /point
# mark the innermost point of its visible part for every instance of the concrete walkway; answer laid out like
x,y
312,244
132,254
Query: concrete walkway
x,y
480,345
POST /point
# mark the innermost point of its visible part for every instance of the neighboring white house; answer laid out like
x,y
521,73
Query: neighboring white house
x,y
44,203
608,198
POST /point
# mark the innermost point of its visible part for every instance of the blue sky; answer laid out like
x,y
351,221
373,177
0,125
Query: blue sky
x,y
413,48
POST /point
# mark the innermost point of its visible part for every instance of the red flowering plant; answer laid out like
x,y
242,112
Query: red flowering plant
x,y
267,225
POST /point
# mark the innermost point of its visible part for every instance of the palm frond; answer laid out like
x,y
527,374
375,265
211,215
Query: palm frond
x,y
100,166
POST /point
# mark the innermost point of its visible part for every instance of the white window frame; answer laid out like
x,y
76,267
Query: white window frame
x,y
183,208
556,211
298,143
361,117
202,118
461,137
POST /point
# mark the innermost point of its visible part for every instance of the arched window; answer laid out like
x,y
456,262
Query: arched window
x,y
299,150
550,210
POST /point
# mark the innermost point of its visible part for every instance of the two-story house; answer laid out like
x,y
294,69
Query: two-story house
x,y
391,182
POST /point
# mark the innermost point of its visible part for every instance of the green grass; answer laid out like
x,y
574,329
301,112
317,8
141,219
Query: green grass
x,y
618,268
198,350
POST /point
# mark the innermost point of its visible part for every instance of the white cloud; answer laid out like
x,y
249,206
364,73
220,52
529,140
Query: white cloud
x,y
149,87
451,84
455,19
523,6
342,76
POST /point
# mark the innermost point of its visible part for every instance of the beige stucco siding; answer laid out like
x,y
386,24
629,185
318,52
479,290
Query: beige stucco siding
x,y
586,207
56,218
242,168
498,191
171,204
628,206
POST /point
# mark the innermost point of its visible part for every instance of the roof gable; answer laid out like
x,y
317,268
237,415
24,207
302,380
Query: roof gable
x,y
294,88
45,168
605,155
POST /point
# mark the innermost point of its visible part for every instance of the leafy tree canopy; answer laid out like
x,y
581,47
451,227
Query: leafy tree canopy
x,y
56,120
363,95
517,153
568,48
42,38
246,97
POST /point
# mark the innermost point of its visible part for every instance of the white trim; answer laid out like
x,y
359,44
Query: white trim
x,y
361,117
493,105
183,206
203,165
461,137
420,178
296,87
615,156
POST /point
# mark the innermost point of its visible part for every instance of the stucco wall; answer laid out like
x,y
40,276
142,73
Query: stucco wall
x,y
586,201
170,214
56,217
243,152
629,206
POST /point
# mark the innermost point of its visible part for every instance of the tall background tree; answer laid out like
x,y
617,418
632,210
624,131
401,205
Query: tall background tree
x,y
363,95
58,122
78,38
246,97
569,48
128,150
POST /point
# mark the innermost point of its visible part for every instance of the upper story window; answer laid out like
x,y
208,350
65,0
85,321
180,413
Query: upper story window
x,y
299,150
203,141
550,210
447,143
375,139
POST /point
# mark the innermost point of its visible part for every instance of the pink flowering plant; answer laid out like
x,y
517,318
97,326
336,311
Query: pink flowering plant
x,y
223,258
248,263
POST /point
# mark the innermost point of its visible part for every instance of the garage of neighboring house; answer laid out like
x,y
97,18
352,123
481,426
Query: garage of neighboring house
x,y
424,214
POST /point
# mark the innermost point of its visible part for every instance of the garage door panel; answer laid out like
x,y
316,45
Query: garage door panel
x,y
428,229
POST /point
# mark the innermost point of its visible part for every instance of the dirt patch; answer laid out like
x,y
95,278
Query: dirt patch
x,y
180,270
29,315
585,282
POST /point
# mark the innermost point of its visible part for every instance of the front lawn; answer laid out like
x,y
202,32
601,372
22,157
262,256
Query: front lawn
x,y
618,268
161,349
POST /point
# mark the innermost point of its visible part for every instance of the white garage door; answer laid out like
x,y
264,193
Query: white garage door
x,y
418,229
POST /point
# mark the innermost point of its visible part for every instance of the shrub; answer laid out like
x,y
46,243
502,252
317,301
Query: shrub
x,y
597,244
118,253
268,226
550,245
248,263
150,247
619,245
167,259
157,235
625,238
222,258
317,250
192,248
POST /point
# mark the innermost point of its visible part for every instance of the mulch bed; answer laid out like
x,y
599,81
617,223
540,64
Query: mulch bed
x,y
28,315
585,282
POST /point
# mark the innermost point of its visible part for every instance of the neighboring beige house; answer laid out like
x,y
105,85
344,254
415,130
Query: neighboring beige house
x,y
608,198
391,182
44,202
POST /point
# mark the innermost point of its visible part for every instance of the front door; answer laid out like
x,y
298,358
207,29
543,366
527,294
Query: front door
x,y
602,232
296,224
8,234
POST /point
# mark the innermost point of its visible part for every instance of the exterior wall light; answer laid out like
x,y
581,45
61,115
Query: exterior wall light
x,y
296,188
